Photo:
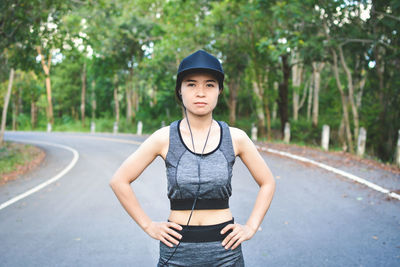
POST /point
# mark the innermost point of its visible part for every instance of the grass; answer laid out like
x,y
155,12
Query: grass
x,y
13,155
67,124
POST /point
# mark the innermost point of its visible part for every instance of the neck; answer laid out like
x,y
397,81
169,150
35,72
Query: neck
x,y
199,123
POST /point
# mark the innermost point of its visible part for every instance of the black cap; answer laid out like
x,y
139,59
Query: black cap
x,y
199,61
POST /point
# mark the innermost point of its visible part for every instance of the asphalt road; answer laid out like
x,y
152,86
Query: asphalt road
x,y
316,218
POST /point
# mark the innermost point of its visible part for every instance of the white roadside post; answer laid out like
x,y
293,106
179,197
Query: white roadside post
x,y
48,127
139,128
325,137
92,127
398,150
115,128
287,133
253,132
362,137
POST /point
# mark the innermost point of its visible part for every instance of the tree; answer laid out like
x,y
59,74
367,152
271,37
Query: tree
x,y
225,20
6,101
18,23
384,54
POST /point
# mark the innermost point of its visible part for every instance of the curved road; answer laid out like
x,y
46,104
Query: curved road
x,y
316,218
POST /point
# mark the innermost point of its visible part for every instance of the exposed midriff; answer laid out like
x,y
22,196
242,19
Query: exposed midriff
x,y
200,217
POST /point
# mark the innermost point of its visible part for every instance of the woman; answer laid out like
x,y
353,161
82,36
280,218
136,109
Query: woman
x,y
199,153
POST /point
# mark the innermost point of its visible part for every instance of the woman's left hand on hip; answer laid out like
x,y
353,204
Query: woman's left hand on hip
x,y
239,234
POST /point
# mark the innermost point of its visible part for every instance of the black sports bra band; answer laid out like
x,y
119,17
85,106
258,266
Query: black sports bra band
x,y
201,204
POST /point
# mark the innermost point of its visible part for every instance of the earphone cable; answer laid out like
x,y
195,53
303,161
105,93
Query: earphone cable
x,y
198,158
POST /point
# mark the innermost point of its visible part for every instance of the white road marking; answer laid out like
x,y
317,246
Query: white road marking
x,y
332,169
76,157
321,165
66,169
48,182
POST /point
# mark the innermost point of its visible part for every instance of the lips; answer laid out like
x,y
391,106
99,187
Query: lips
x,y
200,103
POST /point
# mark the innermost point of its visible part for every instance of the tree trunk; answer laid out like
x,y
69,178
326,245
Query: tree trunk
x,y
295,105
74,113
385,70
361,86
83,95
303,98
344,103
129,85
259,108
342,134
33,114
310,97
283,93
350,93
267,113
317,68
46,69
380,70
233,88
128,93
17,107
135,103
116,100
5,107
14,108
93,96
382,121
297,73
20,107
274,106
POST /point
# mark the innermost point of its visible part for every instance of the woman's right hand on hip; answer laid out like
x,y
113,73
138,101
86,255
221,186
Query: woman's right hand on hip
x,y
164,232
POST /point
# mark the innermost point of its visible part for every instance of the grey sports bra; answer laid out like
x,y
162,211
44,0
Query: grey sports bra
x,y
215,172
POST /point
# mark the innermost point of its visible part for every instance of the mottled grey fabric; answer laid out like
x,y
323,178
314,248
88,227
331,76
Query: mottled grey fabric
x,y
215,167
215,184
206,254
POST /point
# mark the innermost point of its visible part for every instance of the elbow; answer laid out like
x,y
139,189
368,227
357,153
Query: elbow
x,y
113,183
272,181
270,184
273,185
117,181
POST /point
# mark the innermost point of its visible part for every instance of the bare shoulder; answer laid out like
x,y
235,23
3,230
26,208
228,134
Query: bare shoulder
x,y
239,139
237,134
158,142
161,135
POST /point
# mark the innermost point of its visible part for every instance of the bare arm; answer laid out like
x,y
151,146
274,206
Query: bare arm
x,y
248,153
129,171
262,175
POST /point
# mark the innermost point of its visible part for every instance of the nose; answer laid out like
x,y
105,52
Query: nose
x,y
200,91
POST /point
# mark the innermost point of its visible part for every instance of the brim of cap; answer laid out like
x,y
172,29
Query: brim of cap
x,y
219,75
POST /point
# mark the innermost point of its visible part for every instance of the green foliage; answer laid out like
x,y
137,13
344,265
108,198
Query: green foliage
x,y
136,46
302,132
66,83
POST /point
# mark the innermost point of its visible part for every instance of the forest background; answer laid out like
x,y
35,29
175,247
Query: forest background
x,y
309,63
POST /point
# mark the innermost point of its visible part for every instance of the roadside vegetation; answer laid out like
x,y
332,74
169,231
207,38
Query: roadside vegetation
x,y
300,63
16,159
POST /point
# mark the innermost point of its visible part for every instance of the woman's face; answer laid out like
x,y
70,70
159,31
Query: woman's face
x,y
200,93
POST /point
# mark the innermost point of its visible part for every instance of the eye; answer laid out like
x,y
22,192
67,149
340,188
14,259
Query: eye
x,y
190,84
210,85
